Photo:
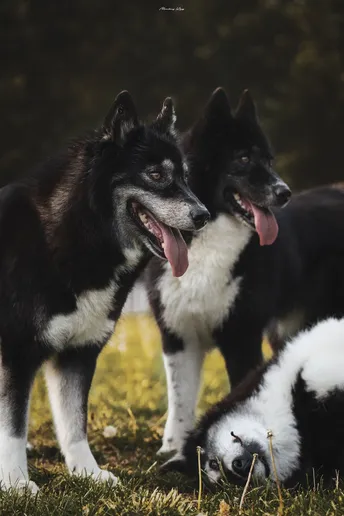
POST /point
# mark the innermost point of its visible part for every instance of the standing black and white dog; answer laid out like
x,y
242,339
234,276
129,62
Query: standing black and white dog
x,y
236,286
299,397
74,237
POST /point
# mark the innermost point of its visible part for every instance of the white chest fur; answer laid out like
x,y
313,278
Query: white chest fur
x,y
201,299
89,323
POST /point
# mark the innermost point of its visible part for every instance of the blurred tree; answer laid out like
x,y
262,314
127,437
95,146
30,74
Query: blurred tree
x,y
63,63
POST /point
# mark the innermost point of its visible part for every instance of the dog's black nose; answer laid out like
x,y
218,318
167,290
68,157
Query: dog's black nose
x,y
200,216
241,465
282,194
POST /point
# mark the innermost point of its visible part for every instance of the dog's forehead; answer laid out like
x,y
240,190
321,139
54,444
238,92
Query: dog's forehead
x,y
163,150
261,152
252,150
220,442
166,165
250,136
226,435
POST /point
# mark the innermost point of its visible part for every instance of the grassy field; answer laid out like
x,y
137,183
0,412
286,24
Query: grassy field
x,y
129,394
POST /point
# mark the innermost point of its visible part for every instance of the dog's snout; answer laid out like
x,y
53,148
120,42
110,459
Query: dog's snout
x,y
282,194
200,216
241,465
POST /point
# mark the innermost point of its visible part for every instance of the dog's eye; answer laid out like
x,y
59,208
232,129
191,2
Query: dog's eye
x,y
156,176
214,465
244,159
120,110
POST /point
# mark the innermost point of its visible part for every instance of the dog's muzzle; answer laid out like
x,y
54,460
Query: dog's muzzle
x,y
200,216
282,194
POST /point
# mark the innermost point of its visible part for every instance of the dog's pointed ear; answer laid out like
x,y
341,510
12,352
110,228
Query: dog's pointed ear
x,y
215,122
177,463
166,119
218,107
121,118
246,109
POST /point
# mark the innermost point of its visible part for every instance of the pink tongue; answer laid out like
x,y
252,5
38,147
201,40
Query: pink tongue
x,y
266,225
175,249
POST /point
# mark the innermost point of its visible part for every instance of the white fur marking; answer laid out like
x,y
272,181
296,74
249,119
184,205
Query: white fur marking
x,y
183,378
201,299
13,461
89,323
168,165
80,461
68,417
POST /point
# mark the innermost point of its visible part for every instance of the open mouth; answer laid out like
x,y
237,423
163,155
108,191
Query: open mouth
x,y
165,241
259,218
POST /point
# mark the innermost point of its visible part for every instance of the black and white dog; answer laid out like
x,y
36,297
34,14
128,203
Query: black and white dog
x,y
236,287
74,237
299,397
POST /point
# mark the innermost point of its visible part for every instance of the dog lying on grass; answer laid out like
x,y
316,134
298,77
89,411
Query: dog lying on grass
x,y
298,397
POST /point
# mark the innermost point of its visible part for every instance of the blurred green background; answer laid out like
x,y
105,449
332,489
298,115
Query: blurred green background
x,y
62,63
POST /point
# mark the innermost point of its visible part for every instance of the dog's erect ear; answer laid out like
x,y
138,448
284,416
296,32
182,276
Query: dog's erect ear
x,y
177,463
166,119
218,107
216,119
121,118
246,109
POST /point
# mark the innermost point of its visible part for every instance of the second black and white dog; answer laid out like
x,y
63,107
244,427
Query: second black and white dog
x,y
299,398
74,236
236,286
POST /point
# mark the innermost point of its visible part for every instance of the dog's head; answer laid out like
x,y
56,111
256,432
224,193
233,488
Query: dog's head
x,y
232,165
228,446
151,201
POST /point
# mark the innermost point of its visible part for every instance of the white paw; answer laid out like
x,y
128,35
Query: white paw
x,y
167,447
175,434
25,486
104,476
99,475
171,444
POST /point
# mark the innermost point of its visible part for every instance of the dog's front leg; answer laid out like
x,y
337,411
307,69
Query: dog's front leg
x,y
183,361
69,377
17,371
240,342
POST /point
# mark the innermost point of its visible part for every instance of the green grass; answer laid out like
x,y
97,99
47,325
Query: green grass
x,y
129,393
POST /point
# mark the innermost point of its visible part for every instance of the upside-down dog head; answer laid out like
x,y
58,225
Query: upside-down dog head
x,y
228,436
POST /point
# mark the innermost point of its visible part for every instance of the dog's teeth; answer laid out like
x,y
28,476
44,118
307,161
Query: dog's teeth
x,y
237,196
148,224
143,217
